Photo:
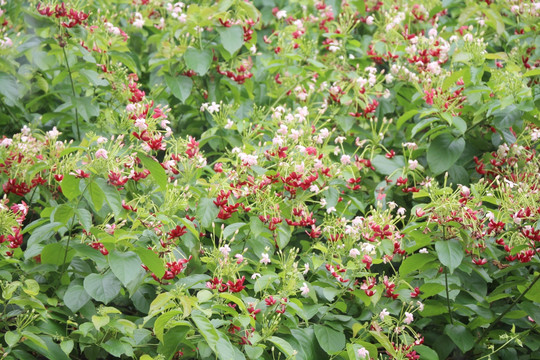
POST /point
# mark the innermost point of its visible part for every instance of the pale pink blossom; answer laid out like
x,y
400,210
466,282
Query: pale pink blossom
x,y
101,153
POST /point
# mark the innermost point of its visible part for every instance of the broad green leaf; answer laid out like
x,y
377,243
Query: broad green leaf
x,y
63,214
415,262
156,170
403,118
231,229
54,254
534,292
96,194
460,335
126,266
206,212
388,166
85,218
100,321
232,38
163,319
12,338
206,328
443,152
102,287
43,233
331,340
112,196
450,253
180,86
70,186
282,345
426,352
198,60
152,260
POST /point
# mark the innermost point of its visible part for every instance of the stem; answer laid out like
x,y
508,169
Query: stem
x,y
74,95
447,295
506,311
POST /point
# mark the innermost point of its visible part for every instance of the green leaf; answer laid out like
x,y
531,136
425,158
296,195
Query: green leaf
x,y
127,268
332,341
180,86
76,297
206,212
70,187
112,196
103,288
534,292
198,60
208,331
443,152
403,118
426,353
42,233
54,254
12,338
460,335
450,253
231,229
156,170
415,262
63,214
162,320
152,260
85,218
388,166
100,321
232,38
282,345
534,72
97,195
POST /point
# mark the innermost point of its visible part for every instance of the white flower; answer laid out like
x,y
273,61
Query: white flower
x,y
305,290
255,275
354,252
369,20
53,134
408,318
225,250
253,49
413,164
331,209
362,352
281,14
306,269
420,306
213,108
102,140
423,251
383,314
229,124
265,259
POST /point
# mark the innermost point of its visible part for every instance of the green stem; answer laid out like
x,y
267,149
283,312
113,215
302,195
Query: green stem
x,y
74,94
447,295
506,311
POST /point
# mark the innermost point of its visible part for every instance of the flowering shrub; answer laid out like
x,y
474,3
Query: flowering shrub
x,y
269,179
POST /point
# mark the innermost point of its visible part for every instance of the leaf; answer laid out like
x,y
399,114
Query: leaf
x,y
443,152
152,260
97,195
156,170
85,218
198,60
54,254
231,229
208,331
332,341
180,86
103,288
426,353
12,338
409,114
534,292
415,262
126,266
232,38
282,345
70,187
162,320
42,233
112,196
100,321
388,166
63,214
206,212
450,253
461,336
10,88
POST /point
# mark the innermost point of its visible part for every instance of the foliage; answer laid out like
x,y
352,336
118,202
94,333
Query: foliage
x,y
269,179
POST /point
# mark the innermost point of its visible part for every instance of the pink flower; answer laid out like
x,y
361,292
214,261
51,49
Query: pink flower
x,y
305,290
408,318
345,159
101,153
383,314
354,253
265,259
362,352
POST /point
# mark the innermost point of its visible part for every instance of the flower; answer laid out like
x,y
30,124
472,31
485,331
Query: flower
x,y
101,153
408,318
413,164
354,253
225,250
265,259
362,352
383,314
305,290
